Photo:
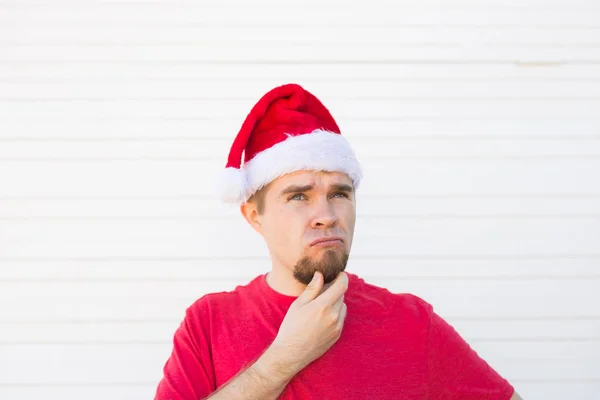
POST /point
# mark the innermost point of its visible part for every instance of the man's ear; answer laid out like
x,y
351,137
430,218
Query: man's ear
x,y
250,212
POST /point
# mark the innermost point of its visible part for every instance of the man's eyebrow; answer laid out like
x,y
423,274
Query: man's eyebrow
x,y
342,187
296,189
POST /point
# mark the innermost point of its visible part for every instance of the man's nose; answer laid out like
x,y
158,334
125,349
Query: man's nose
x,y
324,216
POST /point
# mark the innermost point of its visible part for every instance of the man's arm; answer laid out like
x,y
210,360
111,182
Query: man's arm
x,y
516,396
265,379
311,326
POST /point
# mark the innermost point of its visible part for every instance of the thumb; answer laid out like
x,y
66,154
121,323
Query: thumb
x,y
312,289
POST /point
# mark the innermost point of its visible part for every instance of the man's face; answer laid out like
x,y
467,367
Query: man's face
x,y
308,222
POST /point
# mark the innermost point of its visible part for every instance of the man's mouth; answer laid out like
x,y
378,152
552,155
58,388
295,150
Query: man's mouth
x,y
326,241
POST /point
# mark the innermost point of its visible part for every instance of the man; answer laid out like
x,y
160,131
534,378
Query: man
x,y
308,329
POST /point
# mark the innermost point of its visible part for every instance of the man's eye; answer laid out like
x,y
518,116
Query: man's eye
x,y
297,196
342,194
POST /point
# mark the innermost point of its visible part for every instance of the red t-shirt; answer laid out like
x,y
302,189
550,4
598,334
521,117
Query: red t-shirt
x,y
392,346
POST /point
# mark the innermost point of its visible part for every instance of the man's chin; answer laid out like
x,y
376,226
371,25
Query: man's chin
x,y
330,264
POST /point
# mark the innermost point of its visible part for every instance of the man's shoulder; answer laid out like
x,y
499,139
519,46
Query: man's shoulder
x,y
211,309
400,303
221,300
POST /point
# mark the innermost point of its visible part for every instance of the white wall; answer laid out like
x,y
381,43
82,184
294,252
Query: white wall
x,y
477,121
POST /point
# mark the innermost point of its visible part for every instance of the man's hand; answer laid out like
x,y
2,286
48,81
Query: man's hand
x,y
312,324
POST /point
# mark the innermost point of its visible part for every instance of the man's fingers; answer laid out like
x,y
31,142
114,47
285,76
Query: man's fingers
x,y
312,289
335,291
343,312
336,307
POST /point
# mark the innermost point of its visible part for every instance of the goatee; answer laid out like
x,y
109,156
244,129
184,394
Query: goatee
x,y
329,264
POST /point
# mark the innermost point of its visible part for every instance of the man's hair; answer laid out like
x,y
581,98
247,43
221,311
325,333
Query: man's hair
x,y
259,199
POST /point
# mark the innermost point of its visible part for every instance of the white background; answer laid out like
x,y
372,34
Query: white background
x,y
478,124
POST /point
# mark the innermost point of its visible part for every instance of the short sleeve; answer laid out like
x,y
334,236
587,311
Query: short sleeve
x,y
188,373
456,371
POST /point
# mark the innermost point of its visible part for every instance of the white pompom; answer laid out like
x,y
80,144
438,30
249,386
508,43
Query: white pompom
x,y
231,185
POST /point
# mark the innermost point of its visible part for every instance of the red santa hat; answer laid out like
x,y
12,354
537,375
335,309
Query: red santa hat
x,y
288,130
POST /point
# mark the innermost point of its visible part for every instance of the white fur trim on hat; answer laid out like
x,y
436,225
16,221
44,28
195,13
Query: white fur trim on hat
x,y
316,151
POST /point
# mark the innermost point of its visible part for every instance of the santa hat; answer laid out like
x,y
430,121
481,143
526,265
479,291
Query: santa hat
x,y
288,130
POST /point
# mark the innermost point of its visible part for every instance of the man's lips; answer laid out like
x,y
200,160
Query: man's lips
x,y
326,240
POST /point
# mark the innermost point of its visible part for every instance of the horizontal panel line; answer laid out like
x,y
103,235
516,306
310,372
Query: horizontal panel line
x,y
552,63
342,98
403,278
397,158
531,79
85,343
76,342
171,321
191,7
291,43
49,385
440,196
364,216
216,5
446,257
408,118
99,23
529,319
87,321
483,137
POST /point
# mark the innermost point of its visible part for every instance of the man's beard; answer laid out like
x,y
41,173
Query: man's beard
x,y
329,264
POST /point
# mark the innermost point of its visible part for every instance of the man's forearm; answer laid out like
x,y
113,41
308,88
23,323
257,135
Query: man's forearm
x,y
265,379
